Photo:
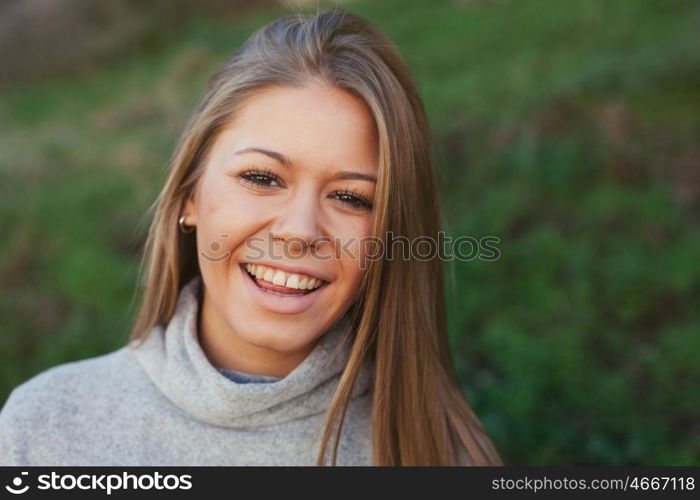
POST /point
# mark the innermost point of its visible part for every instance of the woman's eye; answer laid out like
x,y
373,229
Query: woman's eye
x,y
260,178
266,179
353,200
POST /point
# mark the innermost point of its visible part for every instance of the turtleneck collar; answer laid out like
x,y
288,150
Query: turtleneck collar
x,y
173,359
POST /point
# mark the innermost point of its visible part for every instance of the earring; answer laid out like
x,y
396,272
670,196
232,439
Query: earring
x,y
183,228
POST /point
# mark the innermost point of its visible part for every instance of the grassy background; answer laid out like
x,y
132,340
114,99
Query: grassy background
x,y
570,130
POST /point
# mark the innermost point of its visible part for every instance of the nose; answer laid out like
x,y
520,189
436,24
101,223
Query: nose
x,y
298,225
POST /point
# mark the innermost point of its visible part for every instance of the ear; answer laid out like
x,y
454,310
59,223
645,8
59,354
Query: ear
x,y
190,211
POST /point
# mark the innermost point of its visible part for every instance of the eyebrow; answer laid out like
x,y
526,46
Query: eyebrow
x,y
279,157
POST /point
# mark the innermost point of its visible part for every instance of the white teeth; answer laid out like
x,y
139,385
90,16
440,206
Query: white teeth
x,y
279,277
292,281
269,274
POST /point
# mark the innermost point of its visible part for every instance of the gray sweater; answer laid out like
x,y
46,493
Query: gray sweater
x,y
164,404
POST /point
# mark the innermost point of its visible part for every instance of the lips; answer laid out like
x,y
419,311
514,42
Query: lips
x,y
290,282
280,299
282,290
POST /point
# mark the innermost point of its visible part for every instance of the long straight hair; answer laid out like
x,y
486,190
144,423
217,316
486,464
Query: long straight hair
x,y
420,415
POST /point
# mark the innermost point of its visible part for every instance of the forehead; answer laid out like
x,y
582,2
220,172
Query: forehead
x,y
313,125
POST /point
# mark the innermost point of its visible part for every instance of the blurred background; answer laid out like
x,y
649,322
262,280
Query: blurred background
x,y
570,130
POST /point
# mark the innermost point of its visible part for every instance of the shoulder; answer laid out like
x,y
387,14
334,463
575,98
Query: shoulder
x,y
63,396
83,378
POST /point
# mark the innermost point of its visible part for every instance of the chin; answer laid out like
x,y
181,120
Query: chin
x,y
289,339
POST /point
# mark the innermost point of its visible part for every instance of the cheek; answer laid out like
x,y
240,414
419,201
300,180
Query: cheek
x,y
353,248
224,225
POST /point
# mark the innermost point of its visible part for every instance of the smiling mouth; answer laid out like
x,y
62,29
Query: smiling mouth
x,y
269,286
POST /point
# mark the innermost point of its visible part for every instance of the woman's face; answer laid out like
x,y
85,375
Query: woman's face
x,y
281,208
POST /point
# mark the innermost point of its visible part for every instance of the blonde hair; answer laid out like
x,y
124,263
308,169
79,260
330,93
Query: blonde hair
x,y
420,415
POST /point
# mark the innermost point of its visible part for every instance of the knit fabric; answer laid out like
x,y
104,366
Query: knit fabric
x,y
163,403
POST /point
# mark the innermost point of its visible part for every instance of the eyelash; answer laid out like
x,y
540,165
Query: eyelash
x,y
259,178
251,175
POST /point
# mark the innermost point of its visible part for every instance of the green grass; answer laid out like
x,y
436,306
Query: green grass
x,y
567,129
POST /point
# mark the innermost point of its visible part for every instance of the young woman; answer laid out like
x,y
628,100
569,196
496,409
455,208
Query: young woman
x,y
269,332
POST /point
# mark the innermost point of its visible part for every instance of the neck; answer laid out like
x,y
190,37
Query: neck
x,y
226,349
